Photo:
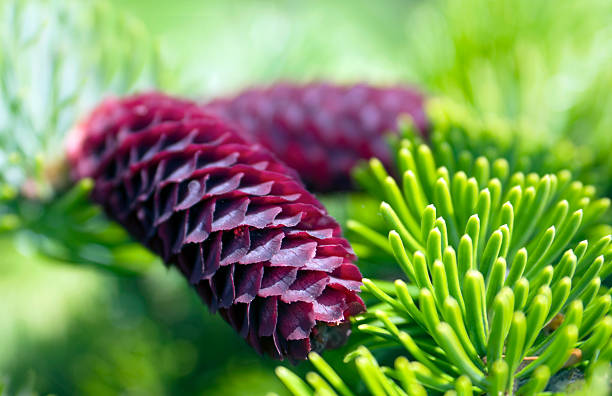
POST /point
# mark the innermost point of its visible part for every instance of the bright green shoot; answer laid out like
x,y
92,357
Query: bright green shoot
x,y
507,295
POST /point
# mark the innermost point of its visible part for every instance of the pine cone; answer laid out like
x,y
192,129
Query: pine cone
x,y
323,130
236,222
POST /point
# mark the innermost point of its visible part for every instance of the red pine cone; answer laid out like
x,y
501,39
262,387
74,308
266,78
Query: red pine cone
x,y
238,224
323,130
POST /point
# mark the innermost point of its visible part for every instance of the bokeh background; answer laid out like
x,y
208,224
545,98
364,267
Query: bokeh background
x,y
126,324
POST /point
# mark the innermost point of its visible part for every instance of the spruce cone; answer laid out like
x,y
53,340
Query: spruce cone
x,y
236,221
323,130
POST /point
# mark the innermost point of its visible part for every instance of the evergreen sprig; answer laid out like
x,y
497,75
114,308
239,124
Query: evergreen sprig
x,y
58,59
460,132
508,295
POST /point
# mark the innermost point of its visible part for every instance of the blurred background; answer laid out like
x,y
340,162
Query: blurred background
x,y
84,311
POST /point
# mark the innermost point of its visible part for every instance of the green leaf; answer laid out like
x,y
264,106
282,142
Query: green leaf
x,y
537,383
473,293
294,383
451,345
329,374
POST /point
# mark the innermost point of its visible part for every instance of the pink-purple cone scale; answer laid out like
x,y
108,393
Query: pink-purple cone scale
x,y
237,222
322,130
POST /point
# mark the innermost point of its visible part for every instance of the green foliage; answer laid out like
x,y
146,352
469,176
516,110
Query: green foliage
x,y
70,229
58,59
546,63
460,132
508,293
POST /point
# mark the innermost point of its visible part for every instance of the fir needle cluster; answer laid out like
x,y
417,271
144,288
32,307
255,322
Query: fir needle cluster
x,y
499,292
